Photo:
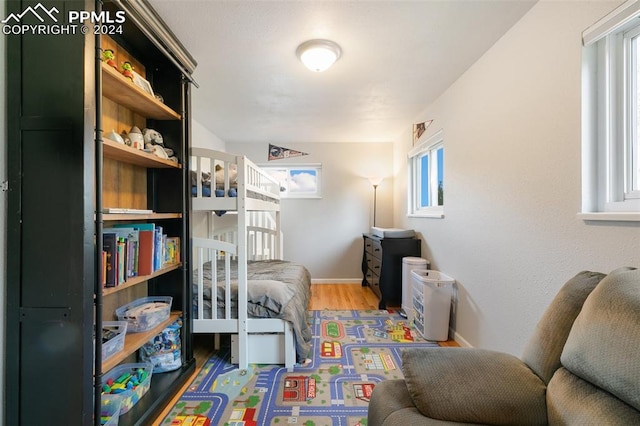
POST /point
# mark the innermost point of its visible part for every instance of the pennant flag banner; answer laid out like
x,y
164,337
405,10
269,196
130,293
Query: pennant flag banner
x,y
280,152
419,129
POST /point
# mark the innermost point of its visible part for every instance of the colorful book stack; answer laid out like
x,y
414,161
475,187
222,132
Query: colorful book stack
x,y
136,249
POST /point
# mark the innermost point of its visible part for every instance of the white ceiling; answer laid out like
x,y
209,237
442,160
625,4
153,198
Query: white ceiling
x,y
397,57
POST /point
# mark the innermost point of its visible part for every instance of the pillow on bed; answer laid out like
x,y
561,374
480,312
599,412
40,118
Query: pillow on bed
x,y
233,175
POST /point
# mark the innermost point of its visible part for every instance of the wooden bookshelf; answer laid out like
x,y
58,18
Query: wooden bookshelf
x,y
64,108
121,90
138,280
152,188
133,342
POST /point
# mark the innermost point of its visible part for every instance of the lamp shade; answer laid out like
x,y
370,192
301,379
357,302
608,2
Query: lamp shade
x,y
318,55
375,180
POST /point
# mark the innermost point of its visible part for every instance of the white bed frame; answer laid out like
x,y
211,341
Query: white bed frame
x,y
258,340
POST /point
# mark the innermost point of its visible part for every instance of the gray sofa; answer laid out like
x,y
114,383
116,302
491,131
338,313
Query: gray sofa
x,y
581,366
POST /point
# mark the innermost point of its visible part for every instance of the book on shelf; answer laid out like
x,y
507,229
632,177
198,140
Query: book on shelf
x,y
130,257
145,242
158,249
109,246
126,211
146,248
104,268
121,259
172,250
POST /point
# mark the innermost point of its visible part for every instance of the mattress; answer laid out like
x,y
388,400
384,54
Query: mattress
x,y
275,289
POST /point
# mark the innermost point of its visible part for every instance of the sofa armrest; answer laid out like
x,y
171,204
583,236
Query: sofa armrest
x,y
474,386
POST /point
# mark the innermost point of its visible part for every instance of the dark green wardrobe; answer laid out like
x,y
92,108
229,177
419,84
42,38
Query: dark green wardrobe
x,y
61,176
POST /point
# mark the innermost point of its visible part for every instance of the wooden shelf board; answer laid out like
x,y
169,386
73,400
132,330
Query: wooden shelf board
x,y
137,280
134,341
132,216
121,90
124,153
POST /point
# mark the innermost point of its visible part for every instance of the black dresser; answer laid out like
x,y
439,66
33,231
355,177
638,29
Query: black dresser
x,y
382,266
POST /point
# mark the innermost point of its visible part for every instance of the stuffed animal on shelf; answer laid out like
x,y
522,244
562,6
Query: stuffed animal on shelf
x,y
109,57
154,143
127,70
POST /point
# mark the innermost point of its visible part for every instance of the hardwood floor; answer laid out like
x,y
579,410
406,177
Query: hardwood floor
x,y
342,296
323,296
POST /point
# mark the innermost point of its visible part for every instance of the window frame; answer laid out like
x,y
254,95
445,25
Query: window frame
x,y
429,148
288,168
610,117
631,159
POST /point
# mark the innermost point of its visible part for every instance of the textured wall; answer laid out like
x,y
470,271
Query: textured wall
x,y
510,235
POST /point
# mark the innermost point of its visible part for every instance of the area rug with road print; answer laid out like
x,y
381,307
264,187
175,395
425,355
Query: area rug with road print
x,y
352,351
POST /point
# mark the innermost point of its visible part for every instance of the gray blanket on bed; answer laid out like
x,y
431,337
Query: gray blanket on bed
x,y
275,289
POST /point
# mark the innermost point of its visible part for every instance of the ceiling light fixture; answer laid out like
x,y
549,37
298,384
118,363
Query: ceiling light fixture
x,y
318,55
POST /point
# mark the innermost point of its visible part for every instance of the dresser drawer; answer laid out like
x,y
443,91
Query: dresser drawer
x,y
373,247
374,282
374,265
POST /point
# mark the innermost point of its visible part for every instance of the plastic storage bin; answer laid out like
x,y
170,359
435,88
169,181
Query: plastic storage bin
x,y
116,343
409,264
432,303
164,350
110,411
140,319
129,398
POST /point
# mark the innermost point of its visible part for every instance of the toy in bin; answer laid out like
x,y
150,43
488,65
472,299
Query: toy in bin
x,y
112,338
163,351
110,410
129,382
145,313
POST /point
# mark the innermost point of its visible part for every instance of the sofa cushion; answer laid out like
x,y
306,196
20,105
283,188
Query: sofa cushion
x,y
571,400
602,347
542,353
391,404
474,386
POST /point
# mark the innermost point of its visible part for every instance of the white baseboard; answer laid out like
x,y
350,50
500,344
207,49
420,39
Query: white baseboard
x,y
461,341
336,280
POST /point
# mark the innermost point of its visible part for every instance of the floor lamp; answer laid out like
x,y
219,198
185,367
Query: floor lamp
x,y
375,181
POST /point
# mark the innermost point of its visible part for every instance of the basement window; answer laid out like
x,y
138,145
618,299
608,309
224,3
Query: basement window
x,y
426,178
611,117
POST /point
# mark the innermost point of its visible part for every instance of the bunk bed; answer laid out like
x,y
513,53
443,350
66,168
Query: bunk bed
x,y
240,284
